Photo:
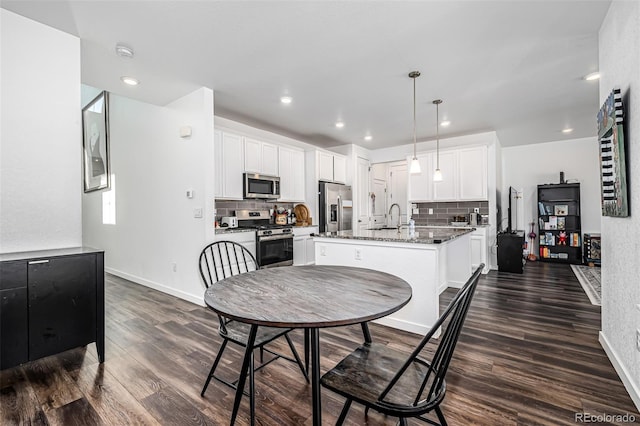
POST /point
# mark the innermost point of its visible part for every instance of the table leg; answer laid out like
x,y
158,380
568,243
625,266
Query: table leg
x,y
315,376
306,349
366,332
246,364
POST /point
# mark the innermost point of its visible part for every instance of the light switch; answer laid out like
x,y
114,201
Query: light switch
x,y
189,193
185,131
197,213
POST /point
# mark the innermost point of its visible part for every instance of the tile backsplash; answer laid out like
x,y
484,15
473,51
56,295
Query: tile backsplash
x,y
443,213
228,208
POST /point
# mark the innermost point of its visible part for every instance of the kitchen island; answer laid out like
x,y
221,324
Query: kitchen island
x,y
429,259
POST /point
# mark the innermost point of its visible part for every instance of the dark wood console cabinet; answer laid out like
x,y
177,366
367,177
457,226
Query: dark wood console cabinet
x,y
50,301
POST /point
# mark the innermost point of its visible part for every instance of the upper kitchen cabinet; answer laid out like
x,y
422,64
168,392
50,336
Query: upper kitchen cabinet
x,y
291,172
447,188
260,157
472,173
464,173
421,184
331,167
229,165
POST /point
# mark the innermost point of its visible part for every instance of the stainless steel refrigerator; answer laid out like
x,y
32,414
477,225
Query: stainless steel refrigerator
x,y
335,207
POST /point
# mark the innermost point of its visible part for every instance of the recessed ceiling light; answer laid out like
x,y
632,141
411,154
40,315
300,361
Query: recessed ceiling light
x,y
592,76
124,51
368,138
129,80
339,124
445,123
286,99
567,130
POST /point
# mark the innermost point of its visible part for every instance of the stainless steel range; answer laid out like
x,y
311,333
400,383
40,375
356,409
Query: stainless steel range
x,y
274,243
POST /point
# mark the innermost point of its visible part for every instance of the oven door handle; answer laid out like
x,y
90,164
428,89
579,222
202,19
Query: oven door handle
x,y
275,237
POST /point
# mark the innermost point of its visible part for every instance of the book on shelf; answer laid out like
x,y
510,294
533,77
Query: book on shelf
x,y
550,239
561,209
561,222
541,208
563,255
549,209
543,239
574,239
553,222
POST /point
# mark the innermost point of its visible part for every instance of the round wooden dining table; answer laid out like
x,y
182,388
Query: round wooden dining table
x,y
309,297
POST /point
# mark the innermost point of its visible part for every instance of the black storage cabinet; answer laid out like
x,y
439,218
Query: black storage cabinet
x,y
510,252
50,301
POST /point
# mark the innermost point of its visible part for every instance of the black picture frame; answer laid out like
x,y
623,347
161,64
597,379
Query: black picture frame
x,y
95,143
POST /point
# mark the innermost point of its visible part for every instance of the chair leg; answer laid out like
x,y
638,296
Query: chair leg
x,y
366,412
297,357
261,354
343,413
440,415
365,332
213,367
402,421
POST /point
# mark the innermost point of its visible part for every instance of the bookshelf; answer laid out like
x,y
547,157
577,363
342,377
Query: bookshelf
x,y
559,226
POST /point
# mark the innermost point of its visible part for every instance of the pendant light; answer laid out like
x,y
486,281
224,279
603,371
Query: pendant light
x,y
415,164
437,175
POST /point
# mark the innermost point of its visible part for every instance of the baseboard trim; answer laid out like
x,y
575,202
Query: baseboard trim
x,y
403,325
624,375
198,300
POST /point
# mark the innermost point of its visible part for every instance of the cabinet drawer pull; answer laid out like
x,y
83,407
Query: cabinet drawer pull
x,y
35,262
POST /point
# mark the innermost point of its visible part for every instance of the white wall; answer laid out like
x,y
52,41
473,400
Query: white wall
x,y
41,139
619,64
527,166
153,168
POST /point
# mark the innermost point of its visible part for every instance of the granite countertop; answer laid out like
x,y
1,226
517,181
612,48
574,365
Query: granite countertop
x,y
422,235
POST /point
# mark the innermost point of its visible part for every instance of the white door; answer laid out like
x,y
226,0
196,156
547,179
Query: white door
x,y
377,202
397,190
363,196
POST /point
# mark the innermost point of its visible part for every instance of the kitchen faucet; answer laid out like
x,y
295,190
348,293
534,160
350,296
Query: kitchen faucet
x,y
399,214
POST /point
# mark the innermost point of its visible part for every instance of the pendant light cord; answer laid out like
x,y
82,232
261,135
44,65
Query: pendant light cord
x,y
438,136
414,119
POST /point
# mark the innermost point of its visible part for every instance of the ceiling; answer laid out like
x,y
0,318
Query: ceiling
x,y
514,67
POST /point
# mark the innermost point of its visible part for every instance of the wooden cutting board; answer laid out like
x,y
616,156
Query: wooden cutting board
x,y
303,215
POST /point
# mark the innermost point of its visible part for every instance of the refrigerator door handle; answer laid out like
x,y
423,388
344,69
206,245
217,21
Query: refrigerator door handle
x,y
339,213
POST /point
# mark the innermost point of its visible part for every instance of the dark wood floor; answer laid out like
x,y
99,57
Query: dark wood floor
x,y
529,355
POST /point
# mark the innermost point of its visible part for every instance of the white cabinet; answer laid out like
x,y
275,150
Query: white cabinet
x,y
478,241
472,172
228,164
447,188
291,172
325,166
303,246
260,157
245,238
421,184
339,169
331,167
464,176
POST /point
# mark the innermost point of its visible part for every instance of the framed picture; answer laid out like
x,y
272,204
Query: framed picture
x,y
613,167
95,143
560,209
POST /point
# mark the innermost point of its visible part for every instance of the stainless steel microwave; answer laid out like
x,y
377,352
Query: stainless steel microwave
x,y
261,186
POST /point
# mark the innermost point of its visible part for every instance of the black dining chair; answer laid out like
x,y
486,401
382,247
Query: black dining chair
x,y
388,381
223,259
